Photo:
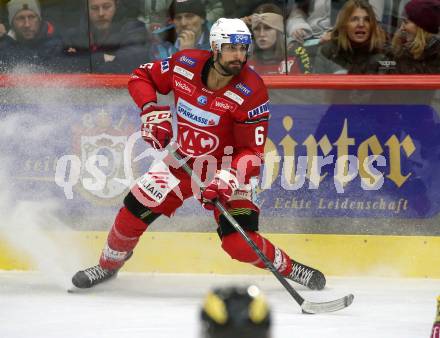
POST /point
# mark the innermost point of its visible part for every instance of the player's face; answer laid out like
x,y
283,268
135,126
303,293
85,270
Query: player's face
x,y
233,57
265,36
26,24
358,26
101,13
188,21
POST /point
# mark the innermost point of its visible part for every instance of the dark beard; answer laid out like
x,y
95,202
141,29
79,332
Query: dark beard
x,y
233,70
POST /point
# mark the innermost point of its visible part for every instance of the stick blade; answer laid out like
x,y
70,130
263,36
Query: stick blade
x,y
324,307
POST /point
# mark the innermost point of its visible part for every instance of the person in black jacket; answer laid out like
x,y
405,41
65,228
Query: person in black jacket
x,y
30,42
108,43
356,45
416,45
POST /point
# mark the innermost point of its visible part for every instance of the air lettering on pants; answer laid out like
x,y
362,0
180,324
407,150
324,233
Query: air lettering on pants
x,y
157,182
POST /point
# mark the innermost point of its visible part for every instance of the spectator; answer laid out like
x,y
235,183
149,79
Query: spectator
x,y
269,55
190,29
309,19
356,44
189,18
30,41
235,312
415,45
113,45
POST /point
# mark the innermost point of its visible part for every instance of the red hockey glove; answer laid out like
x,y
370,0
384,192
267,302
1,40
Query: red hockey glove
x,y
221,188
156,126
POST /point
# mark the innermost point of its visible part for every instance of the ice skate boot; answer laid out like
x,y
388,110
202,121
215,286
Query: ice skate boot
x,y
307,276
94,275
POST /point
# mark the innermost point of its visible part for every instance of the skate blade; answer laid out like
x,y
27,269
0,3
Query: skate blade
x,y
74,289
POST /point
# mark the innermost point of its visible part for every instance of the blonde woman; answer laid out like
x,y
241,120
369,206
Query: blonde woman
x,y
357,42
415,45
269,56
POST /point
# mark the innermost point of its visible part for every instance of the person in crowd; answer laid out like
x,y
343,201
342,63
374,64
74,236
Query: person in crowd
x,y
416,44
309,19
222,108
269,55
382,10
108,43
356,45
189,18
189,29
235,312
30,42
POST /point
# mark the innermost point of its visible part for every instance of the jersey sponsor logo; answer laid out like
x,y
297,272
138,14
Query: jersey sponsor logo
x,y
223,105
207,91
183,86
164,66
157,184
258,111
183,72
196,115
196,142
240,38
202,100
234,97
243,88
186,60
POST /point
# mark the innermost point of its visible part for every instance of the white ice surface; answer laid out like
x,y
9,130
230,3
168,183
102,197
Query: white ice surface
x,y
159,306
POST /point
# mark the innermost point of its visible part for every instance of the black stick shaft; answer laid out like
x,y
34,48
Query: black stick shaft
x,y
269,265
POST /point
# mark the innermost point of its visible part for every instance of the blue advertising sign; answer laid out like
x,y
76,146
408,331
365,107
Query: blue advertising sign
x,y
321,160
352,160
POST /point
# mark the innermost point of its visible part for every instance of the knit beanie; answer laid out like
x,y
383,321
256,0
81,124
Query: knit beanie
x,y
187,6
15,6
425,14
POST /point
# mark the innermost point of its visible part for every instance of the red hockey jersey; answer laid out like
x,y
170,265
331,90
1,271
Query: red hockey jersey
x,y
209,122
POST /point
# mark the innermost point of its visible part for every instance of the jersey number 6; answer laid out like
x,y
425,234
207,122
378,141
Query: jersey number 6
x,y
259,135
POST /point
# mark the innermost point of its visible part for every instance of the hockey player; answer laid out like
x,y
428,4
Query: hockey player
x,y
222,121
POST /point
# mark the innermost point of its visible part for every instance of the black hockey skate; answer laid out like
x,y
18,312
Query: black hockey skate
x,y
94,275
307,276
87,278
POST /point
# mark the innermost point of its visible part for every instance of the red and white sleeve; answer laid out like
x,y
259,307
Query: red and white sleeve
x,y
148,79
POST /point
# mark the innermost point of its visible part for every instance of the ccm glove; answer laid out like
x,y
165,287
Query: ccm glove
x,y
221,188
156,126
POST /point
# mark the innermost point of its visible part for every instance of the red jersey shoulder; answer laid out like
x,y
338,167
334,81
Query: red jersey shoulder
x,y
191,59
251,76
251,88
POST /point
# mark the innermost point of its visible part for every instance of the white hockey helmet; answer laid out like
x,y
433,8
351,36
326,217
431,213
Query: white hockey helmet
x,y
229,31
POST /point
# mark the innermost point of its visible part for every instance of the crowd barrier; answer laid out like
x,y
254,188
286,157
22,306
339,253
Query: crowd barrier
x,y
349,184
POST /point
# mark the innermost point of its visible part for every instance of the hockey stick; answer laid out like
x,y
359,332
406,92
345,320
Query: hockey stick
x,y
306,306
